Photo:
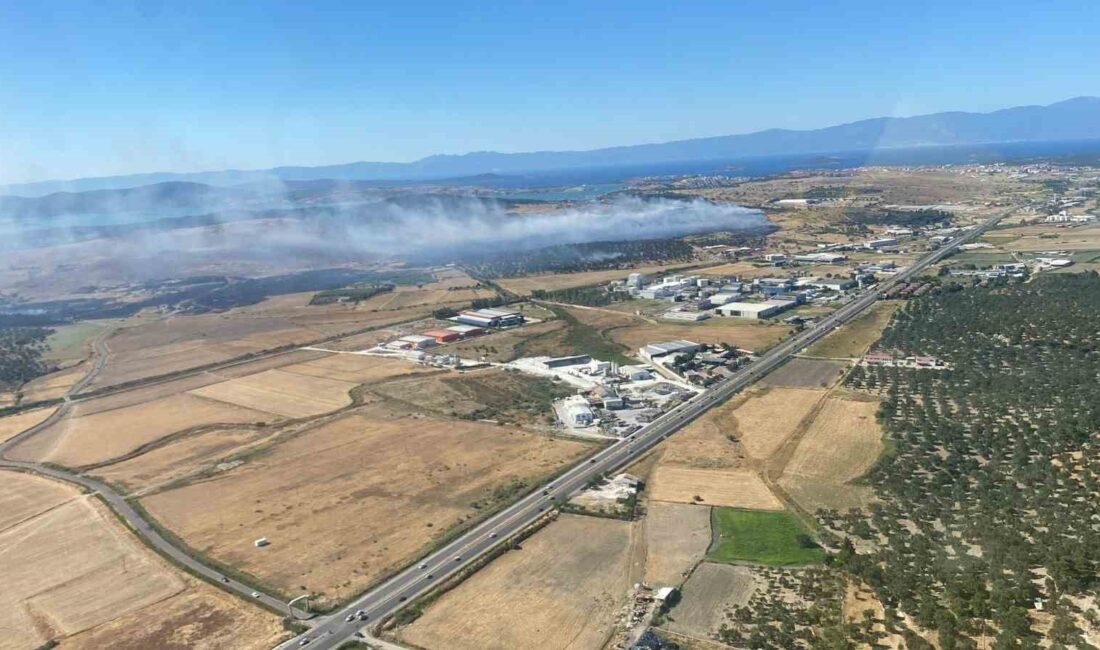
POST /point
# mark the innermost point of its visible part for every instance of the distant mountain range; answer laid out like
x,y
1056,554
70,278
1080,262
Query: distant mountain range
x,y
1073,119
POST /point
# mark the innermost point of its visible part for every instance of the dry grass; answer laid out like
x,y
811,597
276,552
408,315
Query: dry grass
x,y
561,591
765,421
1053,238
71,569
711,590
283,393
182,458
806,373
13,425
853,340
53,385
145,348
354,368
85,439
840,445
345,501
743,333
677,537
739,488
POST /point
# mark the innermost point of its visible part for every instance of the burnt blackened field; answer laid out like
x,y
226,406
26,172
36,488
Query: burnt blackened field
x,y
988,503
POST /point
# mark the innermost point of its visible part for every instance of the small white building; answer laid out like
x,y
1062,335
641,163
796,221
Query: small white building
x,y
636,373
755,310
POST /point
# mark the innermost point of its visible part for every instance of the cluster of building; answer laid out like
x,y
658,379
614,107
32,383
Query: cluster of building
x,y
888,359
468,324
763,297
612,400
1063,217
700,364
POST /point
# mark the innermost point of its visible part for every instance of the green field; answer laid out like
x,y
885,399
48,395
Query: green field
x,y
853,339
585,339
981,259
775,538
68,342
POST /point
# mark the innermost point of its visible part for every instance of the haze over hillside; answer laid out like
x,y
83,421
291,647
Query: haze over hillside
x,y
1073,119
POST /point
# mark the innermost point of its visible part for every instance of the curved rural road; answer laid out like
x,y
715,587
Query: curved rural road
x,y
387,598
117,501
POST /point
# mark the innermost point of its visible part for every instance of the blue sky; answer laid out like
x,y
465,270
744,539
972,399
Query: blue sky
x,y
118,87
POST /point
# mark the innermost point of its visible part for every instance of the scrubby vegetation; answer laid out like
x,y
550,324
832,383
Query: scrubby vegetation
x,y
587,296
572,258
988,506
21,350
354,293
793,609
901,218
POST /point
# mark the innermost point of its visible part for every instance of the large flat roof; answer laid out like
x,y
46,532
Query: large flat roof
x,y
756,306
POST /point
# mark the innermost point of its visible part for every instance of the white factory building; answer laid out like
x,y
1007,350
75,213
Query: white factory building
x,y
490,318
577,411
669,347
690,316
755,309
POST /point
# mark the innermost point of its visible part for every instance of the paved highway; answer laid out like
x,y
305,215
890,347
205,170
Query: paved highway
x,y
418,579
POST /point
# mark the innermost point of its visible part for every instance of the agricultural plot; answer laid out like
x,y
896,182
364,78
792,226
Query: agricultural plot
x,y
775,538
282,393
853,340
806,373
839,446
148,348
561,591
741,488
53,385
1053,238
344,501
72,572
710,593
490,394
203,453
85,439
742,333
677,537
13,425
354,368
768,418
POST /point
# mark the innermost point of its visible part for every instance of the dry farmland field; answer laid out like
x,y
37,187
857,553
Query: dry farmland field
x,y
13,425
72,573
293,385
492,393
345,501
633,331
767,418
88,438
281,392
561,591
142,348
839,446
677,537
711,590
806,373
740,488
853,339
